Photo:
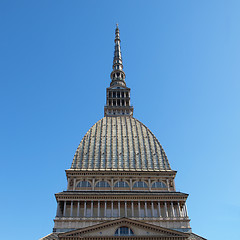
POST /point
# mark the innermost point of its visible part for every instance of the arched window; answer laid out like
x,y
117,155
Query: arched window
x,y
84,184
124,231
159,185
140,185
102,184
121,184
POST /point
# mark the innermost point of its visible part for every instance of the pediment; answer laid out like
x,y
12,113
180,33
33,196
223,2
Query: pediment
x,y
106,230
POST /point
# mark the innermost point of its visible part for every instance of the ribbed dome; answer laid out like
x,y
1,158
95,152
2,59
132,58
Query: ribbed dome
x,y
120,143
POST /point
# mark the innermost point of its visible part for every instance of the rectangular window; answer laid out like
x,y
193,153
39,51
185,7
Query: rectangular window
x,y
109,209
155,210
102,207
149,209
142,210
115,209
88,210
95,209
74,209
122,209
135,205
68,208
129,209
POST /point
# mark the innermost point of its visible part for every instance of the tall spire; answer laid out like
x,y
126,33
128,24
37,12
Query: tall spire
x,y
117,75
118,94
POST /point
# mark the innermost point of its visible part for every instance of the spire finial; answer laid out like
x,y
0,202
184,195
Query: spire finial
x,y
117,36
118,94
117,74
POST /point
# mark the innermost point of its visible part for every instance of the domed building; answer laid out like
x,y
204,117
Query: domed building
x,y
120,184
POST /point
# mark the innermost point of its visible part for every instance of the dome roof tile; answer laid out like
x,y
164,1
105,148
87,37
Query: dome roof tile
x,y
120,143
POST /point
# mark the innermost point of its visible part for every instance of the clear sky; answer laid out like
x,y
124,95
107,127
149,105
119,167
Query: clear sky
x,y
182,62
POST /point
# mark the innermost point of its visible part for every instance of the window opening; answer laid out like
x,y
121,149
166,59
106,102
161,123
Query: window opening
x,y
121,184
159,185
140,185
84,184
124,231
102,184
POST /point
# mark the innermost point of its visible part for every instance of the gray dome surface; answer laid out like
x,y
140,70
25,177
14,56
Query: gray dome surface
x,y
120,143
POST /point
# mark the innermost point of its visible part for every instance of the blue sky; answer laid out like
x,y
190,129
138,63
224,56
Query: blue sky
x,y
182,62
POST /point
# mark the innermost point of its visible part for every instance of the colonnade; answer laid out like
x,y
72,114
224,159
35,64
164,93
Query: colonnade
x,y
118,98
118,94
111,209
118,102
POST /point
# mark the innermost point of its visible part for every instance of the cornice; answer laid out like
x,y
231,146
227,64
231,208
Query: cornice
x,y
103,219
103,196
76,172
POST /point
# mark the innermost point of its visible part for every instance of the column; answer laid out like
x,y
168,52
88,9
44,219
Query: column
x,y
105,209
152,210
185,210
64,208
93,184
91,208
71,212
119,213
139,208
159,209
125,208
85,209
166,209
173,213
132,209
146,212
78,209
112,208
179,210
98,212
58,210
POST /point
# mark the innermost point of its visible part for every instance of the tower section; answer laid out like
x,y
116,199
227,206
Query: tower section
x,y
120,184
120,170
